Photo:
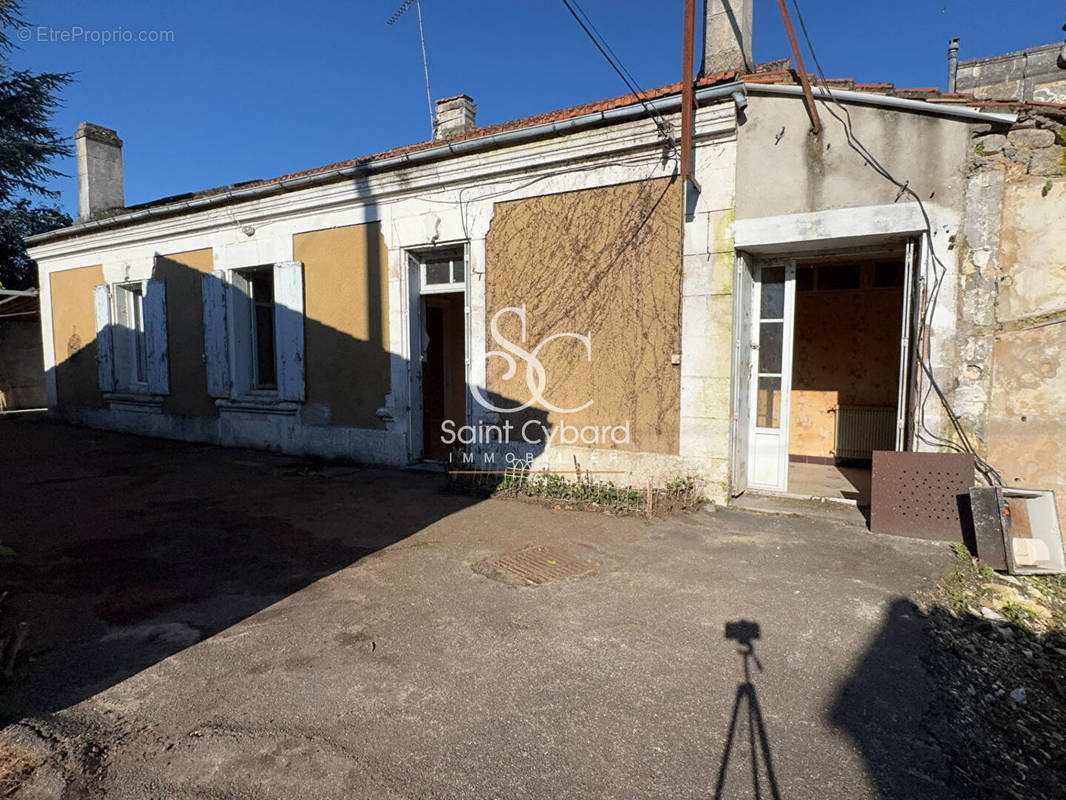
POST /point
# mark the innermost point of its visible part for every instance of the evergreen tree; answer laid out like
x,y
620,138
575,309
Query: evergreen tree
x,y
28,144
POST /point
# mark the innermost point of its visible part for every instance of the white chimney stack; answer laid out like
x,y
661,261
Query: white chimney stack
x,y
455,115
99,153
727,36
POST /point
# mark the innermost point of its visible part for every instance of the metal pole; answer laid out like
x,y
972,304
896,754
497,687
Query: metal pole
x,y
688,99
808,96
425,67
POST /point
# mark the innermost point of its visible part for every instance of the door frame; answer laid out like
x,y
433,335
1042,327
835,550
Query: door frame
x,y
413,272
756,434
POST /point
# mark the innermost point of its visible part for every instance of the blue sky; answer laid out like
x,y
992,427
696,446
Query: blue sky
x,y
252,89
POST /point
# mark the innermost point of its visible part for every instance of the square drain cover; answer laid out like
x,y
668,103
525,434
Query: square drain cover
x,y
533,566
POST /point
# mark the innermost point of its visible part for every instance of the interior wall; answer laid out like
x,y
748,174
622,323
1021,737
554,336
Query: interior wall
x,y
74,332
346,328
846,352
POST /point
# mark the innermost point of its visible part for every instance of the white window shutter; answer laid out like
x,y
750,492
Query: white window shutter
x,y
289,329
154,308
216,335
104,353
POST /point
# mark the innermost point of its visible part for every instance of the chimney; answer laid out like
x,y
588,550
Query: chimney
x,y
99,153
455,115
727,36
953,63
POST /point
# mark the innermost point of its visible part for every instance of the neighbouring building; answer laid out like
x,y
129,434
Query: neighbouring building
x,y
1036,74
21,366
548,292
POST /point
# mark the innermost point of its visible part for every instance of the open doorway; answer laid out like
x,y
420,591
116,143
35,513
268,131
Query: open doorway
x,y
439,341
830,372
845,372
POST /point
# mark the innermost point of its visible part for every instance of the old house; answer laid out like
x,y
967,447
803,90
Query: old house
x,y
549,290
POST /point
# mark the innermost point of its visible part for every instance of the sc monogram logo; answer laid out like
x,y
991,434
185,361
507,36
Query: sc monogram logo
x,y
536,376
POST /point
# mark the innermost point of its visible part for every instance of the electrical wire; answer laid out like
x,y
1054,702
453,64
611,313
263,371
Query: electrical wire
x,y
940,270
618,67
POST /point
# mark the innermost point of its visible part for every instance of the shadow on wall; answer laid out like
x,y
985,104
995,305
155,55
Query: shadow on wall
x,y
929,713
130,550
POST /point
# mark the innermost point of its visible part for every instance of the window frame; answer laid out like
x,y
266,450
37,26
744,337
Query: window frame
x,y
131,358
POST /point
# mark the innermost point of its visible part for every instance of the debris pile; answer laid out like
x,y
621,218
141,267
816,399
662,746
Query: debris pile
x,y
1000,661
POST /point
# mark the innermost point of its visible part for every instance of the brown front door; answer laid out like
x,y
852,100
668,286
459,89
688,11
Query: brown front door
x,y
443,370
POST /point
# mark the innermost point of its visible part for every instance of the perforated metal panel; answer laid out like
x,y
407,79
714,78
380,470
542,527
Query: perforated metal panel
x,y
919,494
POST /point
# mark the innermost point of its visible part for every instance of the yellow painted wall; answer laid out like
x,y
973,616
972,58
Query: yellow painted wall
x,y
346,331
185,332
74,332
604,262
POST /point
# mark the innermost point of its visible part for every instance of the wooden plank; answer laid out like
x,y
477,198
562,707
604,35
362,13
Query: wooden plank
x,y
216,336
105,358
154,307
289,329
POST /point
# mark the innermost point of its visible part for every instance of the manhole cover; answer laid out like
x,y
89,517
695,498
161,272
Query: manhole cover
x,y
533,566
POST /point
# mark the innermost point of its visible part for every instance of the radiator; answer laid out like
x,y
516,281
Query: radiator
x,y
862,429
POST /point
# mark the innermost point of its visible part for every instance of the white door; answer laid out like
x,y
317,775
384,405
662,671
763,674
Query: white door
x,y
906,348
771,372
740,425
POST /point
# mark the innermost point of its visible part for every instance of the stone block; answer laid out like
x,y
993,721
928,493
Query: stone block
x,y
1033,139
1048,162
993,143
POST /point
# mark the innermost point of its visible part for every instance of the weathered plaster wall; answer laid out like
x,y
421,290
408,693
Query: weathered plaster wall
x,y
606,263
74,335
1032,74
21,365
346,330
185,332
786,170
1024,430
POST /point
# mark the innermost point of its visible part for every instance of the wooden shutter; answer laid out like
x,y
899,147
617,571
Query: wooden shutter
x,y
216,334
289,329
154,308
105,358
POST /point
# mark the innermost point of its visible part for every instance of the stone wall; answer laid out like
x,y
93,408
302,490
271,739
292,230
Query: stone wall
x,y
1033,74
1012,382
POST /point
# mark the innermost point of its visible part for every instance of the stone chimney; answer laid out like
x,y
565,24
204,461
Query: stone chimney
x,y
99,153
455,115
727,36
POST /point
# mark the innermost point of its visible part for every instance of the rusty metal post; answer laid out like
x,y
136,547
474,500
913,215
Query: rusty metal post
x,y
808,96
688,95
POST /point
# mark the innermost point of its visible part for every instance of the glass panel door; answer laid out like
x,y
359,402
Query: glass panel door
x,y
772,375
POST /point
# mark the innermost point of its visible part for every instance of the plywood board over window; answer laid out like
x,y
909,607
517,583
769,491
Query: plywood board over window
x,y
604,263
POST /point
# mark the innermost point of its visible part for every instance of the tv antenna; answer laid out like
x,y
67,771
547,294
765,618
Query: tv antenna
x,y
425,64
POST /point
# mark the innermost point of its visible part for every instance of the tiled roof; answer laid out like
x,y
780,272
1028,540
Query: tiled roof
x,y
772,73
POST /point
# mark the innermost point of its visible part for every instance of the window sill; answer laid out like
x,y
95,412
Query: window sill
x,y
138,402
257,404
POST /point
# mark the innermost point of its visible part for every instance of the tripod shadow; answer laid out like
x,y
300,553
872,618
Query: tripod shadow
x,y
744,633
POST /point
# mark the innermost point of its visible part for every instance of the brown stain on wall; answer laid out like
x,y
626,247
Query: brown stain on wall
x,y
1026,430
603,262
74,334
185,331
346,330
846,352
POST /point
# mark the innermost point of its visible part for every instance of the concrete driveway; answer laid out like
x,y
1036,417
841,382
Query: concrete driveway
x,y
227,624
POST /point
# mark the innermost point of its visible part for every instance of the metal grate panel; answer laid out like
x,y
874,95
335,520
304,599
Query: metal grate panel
x,y
918,494
534,565
862,429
